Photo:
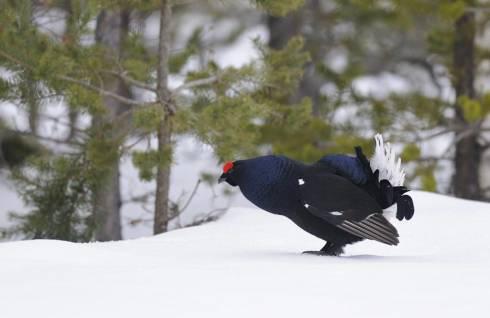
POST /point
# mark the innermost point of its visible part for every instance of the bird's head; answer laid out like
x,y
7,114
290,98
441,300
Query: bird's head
x,y
231,172
252,171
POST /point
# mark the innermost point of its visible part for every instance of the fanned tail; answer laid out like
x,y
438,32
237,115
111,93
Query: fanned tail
x,y
385,179
387,163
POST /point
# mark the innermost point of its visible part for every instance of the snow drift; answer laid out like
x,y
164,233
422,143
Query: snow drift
x,y
249,264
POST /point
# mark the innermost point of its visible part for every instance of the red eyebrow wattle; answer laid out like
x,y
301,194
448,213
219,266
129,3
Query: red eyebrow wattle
x,y
227,167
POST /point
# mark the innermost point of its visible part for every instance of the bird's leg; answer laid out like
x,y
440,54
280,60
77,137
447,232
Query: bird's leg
x,y
330,249
387,194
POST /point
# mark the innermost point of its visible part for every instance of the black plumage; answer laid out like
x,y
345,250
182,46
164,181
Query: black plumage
x,y
338,199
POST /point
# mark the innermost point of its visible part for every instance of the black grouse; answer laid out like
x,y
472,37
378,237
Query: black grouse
x,y
339,199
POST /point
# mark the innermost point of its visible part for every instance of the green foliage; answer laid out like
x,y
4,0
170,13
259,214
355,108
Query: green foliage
x,y
83,99
428,180
242,110
142,5
292,131
409,112
472,109
246,111
228,125
148,161
410,152
102,150
485,104
148,118
381,115
345,143
58,191
6,89
290,128
452,10
283,68
279,7
137,69
248,106
440,40
178,60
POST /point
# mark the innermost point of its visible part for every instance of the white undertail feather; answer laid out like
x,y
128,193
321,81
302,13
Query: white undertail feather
x,y
386,161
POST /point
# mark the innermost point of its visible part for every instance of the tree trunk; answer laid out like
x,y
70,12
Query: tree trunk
x,y
29,91
71,37
281,30
112,28
165,127
468,153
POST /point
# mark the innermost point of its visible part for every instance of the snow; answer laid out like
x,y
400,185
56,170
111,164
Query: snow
x,y
249,264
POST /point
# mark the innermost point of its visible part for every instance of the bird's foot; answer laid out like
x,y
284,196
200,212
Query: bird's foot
x,y
318,253
330,249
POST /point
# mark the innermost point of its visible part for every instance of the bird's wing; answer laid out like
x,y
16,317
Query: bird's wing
x,y
345,205
346,166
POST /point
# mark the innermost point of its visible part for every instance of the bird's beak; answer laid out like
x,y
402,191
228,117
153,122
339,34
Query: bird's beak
x,y
223,177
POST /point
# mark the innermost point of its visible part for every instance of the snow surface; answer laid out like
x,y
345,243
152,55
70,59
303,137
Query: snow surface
x,y
249,264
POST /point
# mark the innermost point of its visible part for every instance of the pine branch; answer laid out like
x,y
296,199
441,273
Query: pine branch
x,y
49,139
127,101
12,59
433,135
481,9
126,148
132,81
196,83
189,200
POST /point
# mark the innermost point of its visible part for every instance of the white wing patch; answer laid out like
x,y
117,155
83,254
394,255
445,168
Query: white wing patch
x,y
386,161
336,213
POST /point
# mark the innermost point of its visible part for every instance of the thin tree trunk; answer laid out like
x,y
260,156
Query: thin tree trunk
x,y
468,152
71,38
165,127
32,103
29,91
112,28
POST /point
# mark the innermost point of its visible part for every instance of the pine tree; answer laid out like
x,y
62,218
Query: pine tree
x,y
436,42
111,33
224,107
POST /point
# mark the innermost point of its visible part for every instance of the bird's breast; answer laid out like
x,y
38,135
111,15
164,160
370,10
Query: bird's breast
x,y
278,197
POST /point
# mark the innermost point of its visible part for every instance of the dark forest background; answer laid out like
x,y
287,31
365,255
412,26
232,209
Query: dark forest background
x,y
135,76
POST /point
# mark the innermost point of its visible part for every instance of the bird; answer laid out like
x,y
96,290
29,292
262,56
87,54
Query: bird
x,y
340,199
